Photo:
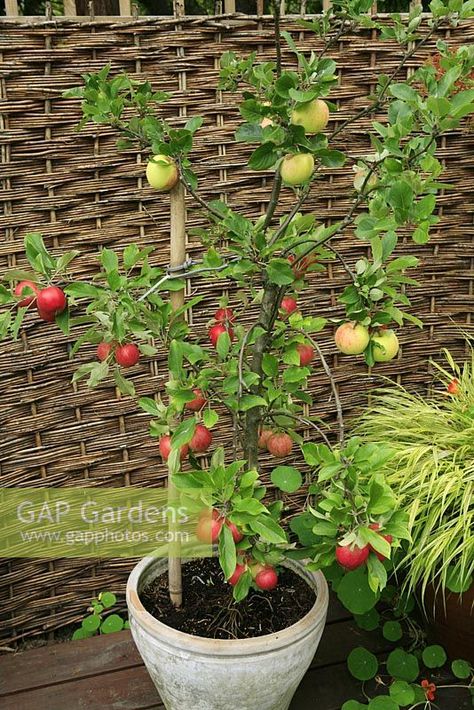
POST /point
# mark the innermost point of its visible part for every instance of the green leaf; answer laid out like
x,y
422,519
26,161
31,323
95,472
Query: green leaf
x,y
107,599
402,693
227,552
287,478
149,406
383,702
280,272
124,385
400,198
353,705
112,624
392,631
91,622
355,593
223,345
83,290
268,529
403,665
461,669
98,373
242,587
249,401
184,433
331,158
249,133
369,621
264,157
81,634
434,656
210,418
109,260
404,92
362,664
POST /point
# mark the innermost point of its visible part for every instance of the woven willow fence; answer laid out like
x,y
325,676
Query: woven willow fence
x,y
81,194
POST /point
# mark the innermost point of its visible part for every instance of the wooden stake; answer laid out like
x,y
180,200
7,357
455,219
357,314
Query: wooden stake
x,y
177,257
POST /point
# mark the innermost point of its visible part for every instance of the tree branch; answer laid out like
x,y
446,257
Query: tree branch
x,y
327,370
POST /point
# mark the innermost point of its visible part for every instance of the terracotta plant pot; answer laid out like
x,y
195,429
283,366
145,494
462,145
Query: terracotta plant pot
x,y
195,673
451,622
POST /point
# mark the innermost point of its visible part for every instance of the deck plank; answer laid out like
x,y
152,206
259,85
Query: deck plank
x,y
128,689
60,662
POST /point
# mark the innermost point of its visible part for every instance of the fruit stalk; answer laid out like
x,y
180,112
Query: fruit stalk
x,y
177,257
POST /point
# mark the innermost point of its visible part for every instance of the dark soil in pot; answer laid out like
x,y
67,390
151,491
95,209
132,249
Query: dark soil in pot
x,y
209,610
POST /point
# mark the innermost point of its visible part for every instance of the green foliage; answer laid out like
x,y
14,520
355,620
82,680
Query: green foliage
x,y
362,664
432,473
100,621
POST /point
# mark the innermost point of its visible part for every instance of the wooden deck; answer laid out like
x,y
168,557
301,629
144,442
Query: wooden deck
x,y
106,673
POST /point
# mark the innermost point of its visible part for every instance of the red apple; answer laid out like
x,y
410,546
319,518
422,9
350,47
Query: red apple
x,y
165,448
236,534
351,557
202,439
352,338
267,578
209,527
127,355
103,351
263,438
197,403
26,286
224,315
236,575
46,315
306,353
288,306
51,300
280,445
217,330
388,538
255,567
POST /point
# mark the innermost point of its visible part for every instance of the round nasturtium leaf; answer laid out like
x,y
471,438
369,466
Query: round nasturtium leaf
x,y
402,693
108,599
392,631
383,702
369,621
434,656
353,705
354,592
362,664
456,583
287,478
91,622
461,669
81,634
403,665
111,624
126,625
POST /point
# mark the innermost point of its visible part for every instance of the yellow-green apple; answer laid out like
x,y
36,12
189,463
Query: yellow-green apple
x,y
352,338
385,345
296,168
313,116
162,172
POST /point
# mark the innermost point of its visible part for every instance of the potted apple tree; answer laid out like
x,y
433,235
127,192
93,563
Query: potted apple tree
x,y
222,628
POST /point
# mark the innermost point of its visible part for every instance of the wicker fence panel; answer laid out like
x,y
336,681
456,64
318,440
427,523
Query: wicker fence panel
x,y
81,194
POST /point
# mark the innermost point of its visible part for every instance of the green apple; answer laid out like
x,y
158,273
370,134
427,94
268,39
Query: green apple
x,y
162,172
386,345
296,168
313,116
352,338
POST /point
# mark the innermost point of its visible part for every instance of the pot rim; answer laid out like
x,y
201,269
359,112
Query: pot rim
x,y
226,647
